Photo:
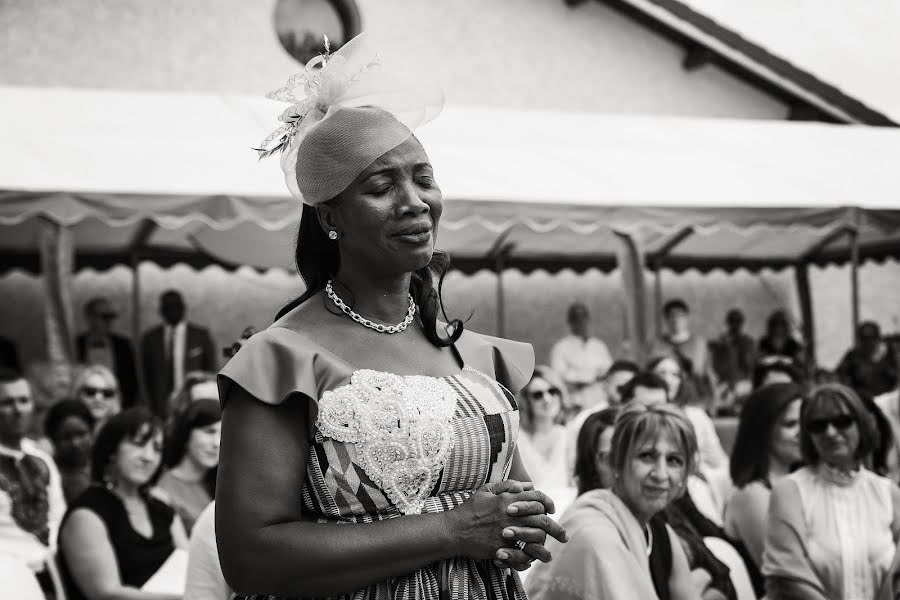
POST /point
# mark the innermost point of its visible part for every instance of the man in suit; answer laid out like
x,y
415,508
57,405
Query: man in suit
x,y
99,345
173,349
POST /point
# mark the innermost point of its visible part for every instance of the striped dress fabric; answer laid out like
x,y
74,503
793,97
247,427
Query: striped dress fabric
x,y
386,445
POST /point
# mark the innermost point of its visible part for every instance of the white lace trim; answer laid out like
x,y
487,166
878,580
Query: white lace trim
x,y
401,426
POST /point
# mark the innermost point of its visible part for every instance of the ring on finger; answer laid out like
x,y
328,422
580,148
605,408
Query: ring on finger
x,y
520,544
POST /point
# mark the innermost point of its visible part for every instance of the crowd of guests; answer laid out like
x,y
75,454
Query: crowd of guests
x,y
109,493
805,504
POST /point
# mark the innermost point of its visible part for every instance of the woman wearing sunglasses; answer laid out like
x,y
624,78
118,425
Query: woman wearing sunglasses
x,y
833,525
542,442
98,388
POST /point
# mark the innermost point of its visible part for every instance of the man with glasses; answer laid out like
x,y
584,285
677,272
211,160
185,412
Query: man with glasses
x,y
100,346
31,495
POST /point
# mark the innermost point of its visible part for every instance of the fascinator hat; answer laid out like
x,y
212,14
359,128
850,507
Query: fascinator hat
x,y
346,110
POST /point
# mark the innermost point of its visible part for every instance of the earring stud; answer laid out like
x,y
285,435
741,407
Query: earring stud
x,y
332,235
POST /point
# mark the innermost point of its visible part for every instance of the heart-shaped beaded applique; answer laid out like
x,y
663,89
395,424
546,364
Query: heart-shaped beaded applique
x,y
401,426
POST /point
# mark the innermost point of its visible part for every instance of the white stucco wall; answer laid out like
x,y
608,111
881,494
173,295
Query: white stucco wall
x,y
524,54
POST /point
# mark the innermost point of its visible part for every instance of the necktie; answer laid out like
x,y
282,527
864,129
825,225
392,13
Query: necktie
x,y
170,358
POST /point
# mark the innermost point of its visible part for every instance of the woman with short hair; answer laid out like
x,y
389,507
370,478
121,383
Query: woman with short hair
x,y
98,387
617,546
833,525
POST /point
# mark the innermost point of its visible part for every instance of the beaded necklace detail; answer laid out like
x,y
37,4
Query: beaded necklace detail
x,y
379,327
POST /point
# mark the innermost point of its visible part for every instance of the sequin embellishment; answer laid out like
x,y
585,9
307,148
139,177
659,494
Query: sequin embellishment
x,y
401,426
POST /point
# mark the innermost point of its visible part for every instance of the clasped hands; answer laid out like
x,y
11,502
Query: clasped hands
x,y
508,511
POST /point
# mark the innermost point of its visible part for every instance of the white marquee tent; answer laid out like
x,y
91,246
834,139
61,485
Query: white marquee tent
x,y
170,177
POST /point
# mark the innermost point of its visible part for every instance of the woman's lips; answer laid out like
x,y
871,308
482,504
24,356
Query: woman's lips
x,y
421,237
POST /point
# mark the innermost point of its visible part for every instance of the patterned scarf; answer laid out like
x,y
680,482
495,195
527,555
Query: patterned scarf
x,y
26,479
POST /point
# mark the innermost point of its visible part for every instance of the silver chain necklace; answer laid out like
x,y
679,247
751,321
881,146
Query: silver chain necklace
x,y
410,314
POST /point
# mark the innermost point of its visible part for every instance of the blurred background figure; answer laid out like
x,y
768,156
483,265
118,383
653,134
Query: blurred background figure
x,y
205,580
766,449
69,425
192,455
713,458
767,373
619,373
171,350
733,361
98,388
582,360
779,345
9,355
116,534
100,346
198,385
592,467
833,525
870,367
31,495
542,439
689,349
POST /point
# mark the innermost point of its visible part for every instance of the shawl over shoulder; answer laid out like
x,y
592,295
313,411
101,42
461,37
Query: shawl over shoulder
x,y
605,557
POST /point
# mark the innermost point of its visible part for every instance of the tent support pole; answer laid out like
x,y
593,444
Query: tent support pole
x,y
657,295
801,275
501,300
144,232
656,262
854,278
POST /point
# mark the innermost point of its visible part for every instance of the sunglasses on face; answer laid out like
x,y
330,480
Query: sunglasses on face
x,y
544,394
93,391
840,422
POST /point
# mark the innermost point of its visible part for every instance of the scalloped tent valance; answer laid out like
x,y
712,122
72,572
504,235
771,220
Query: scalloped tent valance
x,y
171,178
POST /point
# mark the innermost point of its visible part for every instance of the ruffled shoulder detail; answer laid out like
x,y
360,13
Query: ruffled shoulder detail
x,y
509,362
277,363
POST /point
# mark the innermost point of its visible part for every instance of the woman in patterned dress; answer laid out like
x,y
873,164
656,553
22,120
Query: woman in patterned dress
x,y
359,460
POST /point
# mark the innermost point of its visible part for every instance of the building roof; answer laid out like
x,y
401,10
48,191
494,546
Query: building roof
x,y
764,46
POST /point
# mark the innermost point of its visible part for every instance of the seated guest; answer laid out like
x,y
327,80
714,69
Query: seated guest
x,y
116,535
779,345
98,388
833,525
712,456
198,385
31,495
766,448
620,373
592,467
617,548
733,359
542,441
870,367
885,458
192,455
581,359
204,573
775,372
69,425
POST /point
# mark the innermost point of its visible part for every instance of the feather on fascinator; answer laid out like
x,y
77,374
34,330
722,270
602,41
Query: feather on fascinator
x,y
387,110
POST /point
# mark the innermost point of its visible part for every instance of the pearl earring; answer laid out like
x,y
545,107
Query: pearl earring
x,y
332,235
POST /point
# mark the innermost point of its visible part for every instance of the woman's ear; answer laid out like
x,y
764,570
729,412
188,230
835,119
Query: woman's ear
x,y
327,217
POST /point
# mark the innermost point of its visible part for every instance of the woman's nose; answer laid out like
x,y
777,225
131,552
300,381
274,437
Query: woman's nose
x,y
412,200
